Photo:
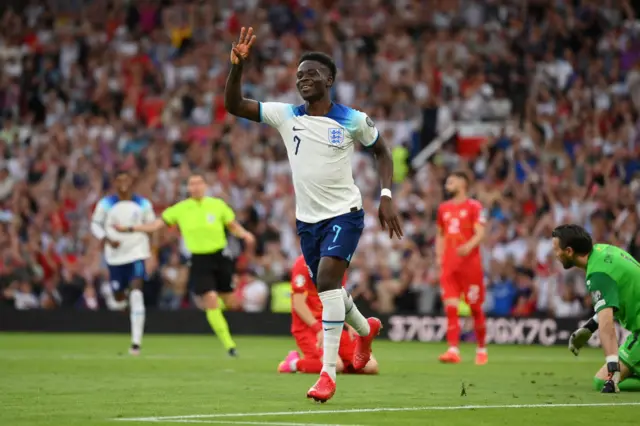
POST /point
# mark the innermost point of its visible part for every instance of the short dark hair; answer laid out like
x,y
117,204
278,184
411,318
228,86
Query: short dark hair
x,y
462,175
322,58
574,236
121,171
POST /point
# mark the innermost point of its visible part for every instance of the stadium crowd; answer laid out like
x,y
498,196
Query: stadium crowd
x,y
139,85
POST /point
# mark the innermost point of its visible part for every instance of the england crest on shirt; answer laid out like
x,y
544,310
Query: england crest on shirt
x,y
336,135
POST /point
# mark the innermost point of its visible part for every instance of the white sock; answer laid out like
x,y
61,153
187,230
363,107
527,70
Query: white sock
x,y
110,300
353,317
332,324
136,302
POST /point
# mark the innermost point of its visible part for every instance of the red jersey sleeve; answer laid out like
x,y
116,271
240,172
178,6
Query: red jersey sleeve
x,y
300,278
439,219
479,217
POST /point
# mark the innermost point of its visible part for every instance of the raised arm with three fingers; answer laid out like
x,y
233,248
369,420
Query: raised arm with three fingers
x,y
234,102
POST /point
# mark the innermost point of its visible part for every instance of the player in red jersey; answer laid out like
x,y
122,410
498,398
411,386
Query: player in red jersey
x,y
306,328
461,228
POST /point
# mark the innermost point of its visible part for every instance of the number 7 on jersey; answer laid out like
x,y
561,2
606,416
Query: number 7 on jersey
x,y
297,141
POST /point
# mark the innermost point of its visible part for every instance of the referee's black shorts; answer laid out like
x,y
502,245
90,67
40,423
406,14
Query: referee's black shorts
x,y
211,272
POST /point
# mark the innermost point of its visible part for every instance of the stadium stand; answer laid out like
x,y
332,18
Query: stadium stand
x,y
538,99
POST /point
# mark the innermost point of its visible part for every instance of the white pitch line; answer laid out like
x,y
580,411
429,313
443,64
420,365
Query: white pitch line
x,y
227,422
374,410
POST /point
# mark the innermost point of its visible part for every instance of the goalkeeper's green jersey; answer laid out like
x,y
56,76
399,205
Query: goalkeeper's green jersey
x,y
613,279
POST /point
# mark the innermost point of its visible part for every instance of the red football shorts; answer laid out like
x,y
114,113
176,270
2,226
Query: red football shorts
x,y
308,345
465,281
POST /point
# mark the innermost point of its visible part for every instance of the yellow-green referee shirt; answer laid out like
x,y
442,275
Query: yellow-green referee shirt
x,y
202,223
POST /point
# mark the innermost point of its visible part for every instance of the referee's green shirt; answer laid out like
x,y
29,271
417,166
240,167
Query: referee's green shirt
x,y
201,222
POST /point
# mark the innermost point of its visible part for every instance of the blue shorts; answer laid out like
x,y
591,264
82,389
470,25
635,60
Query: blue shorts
x,y
335,237
121,276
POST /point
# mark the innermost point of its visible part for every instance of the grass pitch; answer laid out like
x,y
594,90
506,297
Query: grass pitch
x,y
89,380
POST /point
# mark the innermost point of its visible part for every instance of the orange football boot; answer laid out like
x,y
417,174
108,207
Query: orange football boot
x,y
362,353
323,390
482,358
450,357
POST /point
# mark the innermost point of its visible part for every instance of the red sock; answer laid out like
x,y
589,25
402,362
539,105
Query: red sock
x,y
453,326
309,366
479,322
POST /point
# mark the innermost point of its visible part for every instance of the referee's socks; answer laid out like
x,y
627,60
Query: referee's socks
x,y
220,327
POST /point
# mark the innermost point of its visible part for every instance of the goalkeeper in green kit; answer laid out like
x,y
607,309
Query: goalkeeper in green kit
x,y
613,279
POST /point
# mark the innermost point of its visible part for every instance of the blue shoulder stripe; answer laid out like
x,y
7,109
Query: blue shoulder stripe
x,y
107,202
342,115
141,201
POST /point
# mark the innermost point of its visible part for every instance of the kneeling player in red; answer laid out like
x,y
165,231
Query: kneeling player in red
x,y
312,360
306,328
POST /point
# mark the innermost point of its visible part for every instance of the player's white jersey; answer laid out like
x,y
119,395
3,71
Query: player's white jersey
x,y
112,211
320,150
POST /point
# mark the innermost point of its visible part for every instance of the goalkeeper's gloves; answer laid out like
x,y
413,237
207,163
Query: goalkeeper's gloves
x,y
613,368
578,339
581,336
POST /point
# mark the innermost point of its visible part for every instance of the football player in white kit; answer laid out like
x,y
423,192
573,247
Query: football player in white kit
x,y
320,136
125,253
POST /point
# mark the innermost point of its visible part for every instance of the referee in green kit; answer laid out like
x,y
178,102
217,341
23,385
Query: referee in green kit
x,y
203,222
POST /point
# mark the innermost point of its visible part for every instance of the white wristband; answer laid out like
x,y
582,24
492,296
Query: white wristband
x,y
611,358
386,192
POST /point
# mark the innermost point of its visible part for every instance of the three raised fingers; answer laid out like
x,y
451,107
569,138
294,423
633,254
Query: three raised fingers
x,y
251,41
246,36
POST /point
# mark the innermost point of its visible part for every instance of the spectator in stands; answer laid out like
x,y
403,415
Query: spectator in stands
x,y
72,284
566,305
23,296
502,292
251,291
540,101
174,275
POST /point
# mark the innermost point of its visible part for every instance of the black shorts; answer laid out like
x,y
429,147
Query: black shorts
x,y
211,272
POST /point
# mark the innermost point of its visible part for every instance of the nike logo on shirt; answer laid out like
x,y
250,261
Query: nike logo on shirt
x,y
332,247
297,130
327,329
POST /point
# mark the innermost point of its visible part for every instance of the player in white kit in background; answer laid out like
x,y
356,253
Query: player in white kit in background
x,y
320,138
125,253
